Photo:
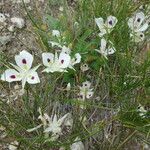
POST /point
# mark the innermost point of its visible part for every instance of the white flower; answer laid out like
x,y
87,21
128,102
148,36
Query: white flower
x,y
66,50
2,18
55,124
55,44
84,67
77,145
138,25
104,50
85,91
106,27
61,8
142,111
75,60
18,22
56,33
55,64
76,25
13,145
22,71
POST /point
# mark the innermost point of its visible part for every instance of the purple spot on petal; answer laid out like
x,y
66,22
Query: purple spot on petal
x,y
12,76
138,20
141,35
110,22
24,61
48,60
32,78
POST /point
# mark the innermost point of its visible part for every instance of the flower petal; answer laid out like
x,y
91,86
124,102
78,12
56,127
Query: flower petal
x,y
131,23
33,78
84,67
77,59
47,58
66,50
139,36
111,21
139,18
11,75
62,119
24,60
55,118
99,22
111,51
86,84
89,94
143,28
55,44
56,33
64,60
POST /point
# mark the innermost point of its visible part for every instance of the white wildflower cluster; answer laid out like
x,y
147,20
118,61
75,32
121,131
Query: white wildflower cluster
x,y
23,71
106,47
138,24
86,92
53,63
62,61
107,26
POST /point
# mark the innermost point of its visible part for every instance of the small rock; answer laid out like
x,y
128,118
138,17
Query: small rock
x,y
18,22
56,33
11,28
4,40
2,17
